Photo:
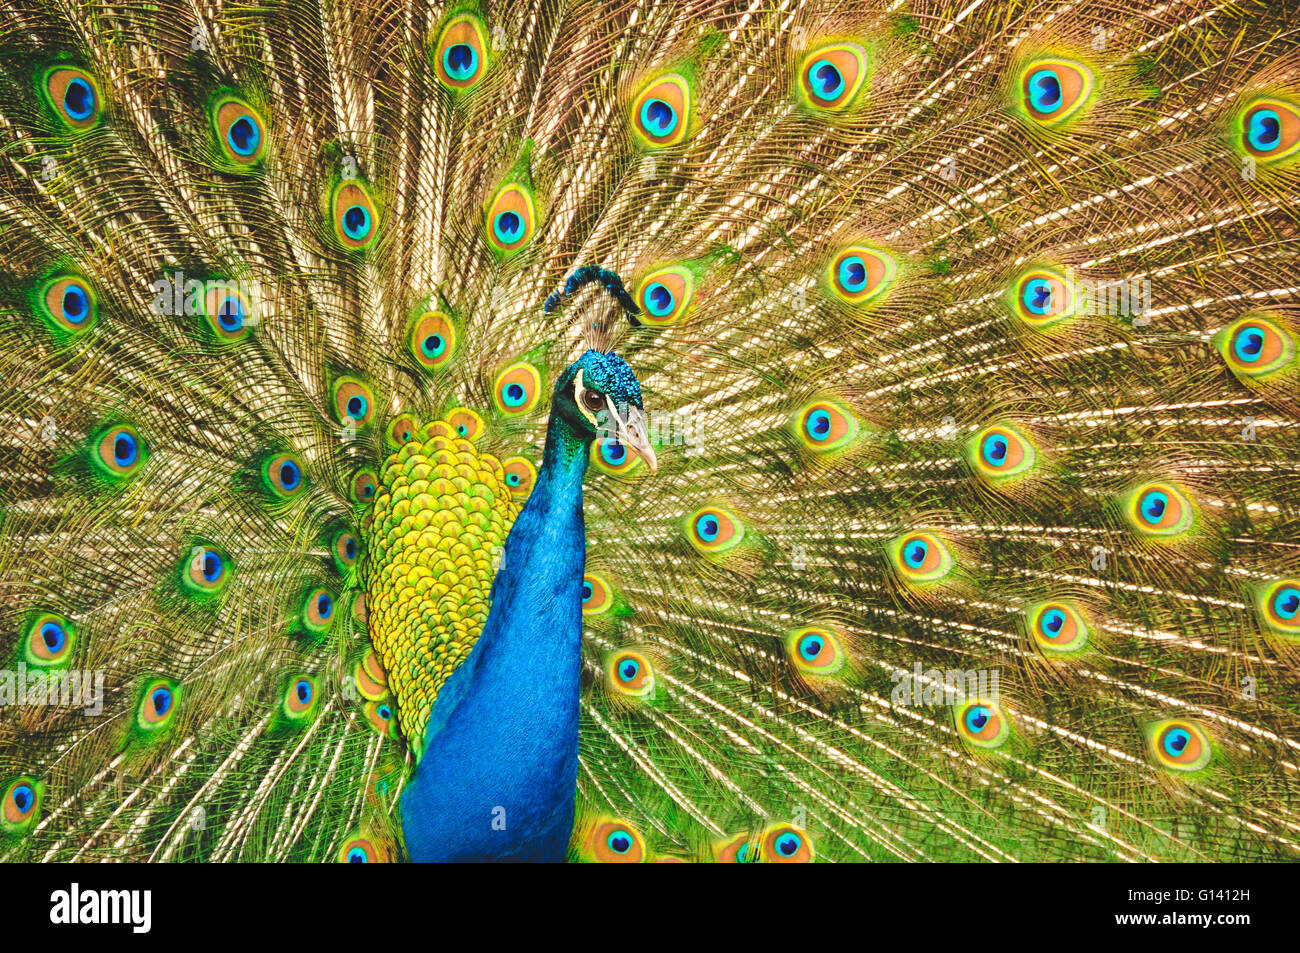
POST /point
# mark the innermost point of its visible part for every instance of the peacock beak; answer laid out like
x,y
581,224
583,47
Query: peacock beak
x,y
631,431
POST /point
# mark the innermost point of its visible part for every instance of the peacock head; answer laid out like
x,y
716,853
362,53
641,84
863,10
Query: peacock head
x,y
599,396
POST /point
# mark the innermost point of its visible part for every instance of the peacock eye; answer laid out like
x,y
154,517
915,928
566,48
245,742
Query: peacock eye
x,y
282,475
67,304
74,95
922,558
1053,90
661,113
1058,628
615,841
597,596
1270,129
461,55
631,673
354,215
982,724
1000,453
665,294
815,651
1159,509
1179,745
156,706
48,640
1255,347
517,389
360,850
592,400
784,844
1042,297
713,530
318,611
512,218
832,75
859,274
238,131
300,698
1279,604
19,805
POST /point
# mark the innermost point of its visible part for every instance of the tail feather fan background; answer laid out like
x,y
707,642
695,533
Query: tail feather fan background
x,y
968,343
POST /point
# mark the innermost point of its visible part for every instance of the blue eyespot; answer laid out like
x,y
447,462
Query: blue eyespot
x,y
350,547
357,407
853,274
79,99
244,136
1153,506
161,700
1265,130
54,637
356,223
788,844
1037,296
509,227
213,567
658,118
818,425
303,690
514,394
231,314
994,450
1175,741
385,712
433,345
706,527
1287,603
290,475
23,797
658,300
810,647
613,452
125,449
743,855
915,553
977,716
324,606
76,304
629,669
512,479
1052,621
587,592
460,60
1045,91
357,856
1249,345
825,79
619,841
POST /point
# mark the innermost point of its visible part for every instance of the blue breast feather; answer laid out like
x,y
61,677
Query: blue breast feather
x,y
497,778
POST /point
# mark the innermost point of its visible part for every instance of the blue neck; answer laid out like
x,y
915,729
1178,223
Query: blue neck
x,y
499,772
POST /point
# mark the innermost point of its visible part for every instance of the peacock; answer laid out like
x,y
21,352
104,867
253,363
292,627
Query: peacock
x,y
649,430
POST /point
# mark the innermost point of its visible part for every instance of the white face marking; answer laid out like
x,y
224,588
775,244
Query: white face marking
x,y
579,391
